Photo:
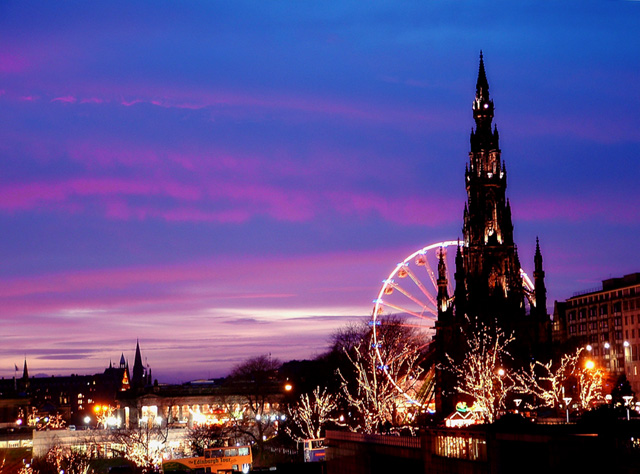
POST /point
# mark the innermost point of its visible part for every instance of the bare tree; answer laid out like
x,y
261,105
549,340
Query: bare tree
x,y
255,380
548,385
201,437
143,445
312,413
481,375
374,388
590,386
67,460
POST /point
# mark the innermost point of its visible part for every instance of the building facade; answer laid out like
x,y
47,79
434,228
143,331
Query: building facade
x,y
606,322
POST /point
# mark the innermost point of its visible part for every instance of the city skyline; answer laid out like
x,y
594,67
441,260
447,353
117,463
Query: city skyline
x,y
222,180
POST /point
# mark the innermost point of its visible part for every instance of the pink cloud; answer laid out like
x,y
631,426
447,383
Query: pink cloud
x,y
68,99
404,209
31,195
92,100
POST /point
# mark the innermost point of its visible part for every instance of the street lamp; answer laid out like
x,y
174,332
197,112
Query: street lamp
x,y
627,401
517,401
567,400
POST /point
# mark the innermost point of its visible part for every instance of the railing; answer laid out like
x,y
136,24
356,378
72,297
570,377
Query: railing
x,y
401,441
586,292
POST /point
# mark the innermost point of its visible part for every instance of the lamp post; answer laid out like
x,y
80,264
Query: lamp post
x,y
517,401
567,400
627,401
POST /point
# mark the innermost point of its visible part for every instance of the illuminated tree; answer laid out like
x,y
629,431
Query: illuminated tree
x,y
143,445
203,436
482,375
67,460
370,391
589,386
310,414
105,416
548,385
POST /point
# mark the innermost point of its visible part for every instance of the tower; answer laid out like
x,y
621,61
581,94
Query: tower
x,y
491,269
138,378
538,281
489,289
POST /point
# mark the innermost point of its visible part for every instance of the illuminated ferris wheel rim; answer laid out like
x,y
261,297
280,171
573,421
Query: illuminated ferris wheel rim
x,y
379,303
422,251
389,283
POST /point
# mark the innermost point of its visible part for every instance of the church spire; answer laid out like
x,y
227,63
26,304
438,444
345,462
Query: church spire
x,y
482,104
538,280
137,378
443,283
482,85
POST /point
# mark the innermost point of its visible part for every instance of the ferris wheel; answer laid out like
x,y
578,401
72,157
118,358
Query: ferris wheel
x,y
409,298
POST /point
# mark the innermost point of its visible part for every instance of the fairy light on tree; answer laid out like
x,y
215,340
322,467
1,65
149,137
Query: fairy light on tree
x,y
312,413
547,384
105,416
589,386
143,445
67,460
481,374
371,391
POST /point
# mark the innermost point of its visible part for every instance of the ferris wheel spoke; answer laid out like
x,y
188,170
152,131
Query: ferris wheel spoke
x,y
399,297
432,275
420,285
412,298
408,311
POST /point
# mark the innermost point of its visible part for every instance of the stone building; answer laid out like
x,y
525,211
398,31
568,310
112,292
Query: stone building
x,y
490,287
606,322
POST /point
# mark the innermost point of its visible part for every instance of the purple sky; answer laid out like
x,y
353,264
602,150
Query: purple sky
x,y
225,179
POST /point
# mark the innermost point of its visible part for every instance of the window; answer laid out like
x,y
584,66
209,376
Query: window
x,y
618,335
592,312
583,327
572,316
604,324
593,338
617,307
593,326
581,314
572,329
618,322
603,310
